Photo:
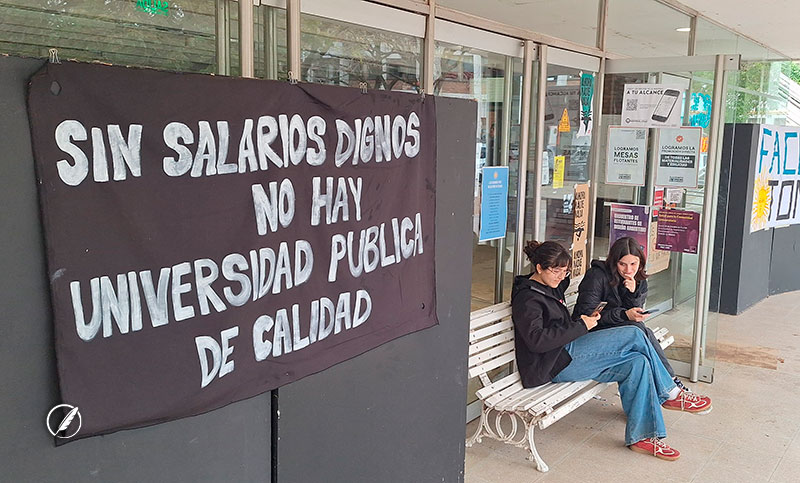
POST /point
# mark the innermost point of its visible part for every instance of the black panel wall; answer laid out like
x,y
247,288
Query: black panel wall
x,y
784,273
230,444
396,413
747,266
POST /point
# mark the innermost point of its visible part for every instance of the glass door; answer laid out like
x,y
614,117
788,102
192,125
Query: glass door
x,y
486,68
675,192
559,187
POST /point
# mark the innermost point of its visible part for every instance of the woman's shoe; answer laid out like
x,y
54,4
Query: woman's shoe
x,y
689,402
679,383
657,448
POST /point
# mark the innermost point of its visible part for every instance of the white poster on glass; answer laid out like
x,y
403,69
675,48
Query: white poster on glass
x,y
652,105
678,151
626,158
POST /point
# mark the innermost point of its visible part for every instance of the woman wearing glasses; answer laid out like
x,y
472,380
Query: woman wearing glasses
x,y
550,346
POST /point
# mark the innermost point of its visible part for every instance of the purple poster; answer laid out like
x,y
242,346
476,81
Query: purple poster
x,y
678,231
632,221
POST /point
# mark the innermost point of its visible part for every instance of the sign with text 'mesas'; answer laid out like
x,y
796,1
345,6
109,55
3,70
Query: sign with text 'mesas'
x,y
210,239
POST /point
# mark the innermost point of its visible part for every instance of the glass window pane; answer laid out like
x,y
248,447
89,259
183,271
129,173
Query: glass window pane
x,y
566,160
269,35
511,159
645,28
345,54
177,35
712,40
469,73
574,20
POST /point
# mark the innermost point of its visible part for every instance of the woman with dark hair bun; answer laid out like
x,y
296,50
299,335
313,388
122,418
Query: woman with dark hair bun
x,y
551,346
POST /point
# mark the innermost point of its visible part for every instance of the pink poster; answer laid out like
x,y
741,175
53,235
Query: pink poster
x,y
678,231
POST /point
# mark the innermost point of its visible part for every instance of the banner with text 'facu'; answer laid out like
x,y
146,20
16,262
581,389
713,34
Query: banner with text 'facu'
x,y
209,239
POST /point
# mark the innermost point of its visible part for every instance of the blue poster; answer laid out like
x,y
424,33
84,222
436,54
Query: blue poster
x,y
494,203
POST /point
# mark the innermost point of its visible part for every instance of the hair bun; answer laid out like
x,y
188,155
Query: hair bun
x,y
531,247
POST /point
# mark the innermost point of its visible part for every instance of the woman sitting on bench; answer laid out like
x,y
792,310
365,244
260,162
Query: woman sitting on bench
x,y
550,346
621,282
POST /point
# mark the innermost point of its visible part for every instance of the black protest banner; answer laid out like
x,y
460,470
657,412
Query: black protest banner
x,y
209,239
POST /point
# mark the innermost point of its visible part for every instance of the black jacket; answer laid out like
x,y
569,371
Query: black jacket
x,y
596,287
542,327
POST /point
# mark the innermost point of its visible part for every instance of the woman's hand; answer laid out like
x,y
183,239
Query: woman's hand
x,y
590,320
630,284
635,314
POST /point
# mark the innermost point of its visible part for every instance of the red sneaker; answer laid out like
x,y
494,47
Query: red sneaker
x,y
689,402
657,448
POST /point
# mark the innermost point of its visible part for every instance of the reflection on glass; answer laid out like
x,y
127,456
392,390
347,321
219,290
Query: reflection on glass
x,y
565,160
673,280
494,81
269,33
344,54
179,35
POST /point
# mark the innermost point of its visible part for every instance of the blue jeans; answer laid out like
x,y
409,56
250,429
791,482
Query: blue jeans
x,y
625,356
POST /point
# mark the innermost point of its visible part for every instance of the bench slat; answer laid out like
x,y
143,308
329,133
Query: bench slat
x,y
489,315
487,355
537,396
559,393
520,397
512,391
491,342
497,386
541,397
493,364
571,405
479,334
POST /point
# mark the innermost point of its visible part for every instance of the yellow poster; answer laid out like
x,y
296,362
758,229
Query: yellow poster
x,y
558,172
563,125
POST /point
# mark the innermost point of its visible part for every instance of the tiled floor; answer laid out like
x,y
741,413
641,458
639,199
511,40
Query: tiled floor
x,y
752,435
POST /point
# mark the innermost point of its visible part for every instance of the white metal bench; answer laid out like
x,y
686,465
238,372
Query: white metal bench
x,y
491,347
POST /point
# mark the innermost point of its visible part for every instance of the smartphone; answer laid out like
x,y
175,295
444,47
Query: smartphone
x,y
650,311
599,308
665,105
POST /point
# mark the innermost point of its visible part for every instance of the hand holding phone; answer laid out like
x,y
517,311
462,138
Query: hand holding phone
x,y
650,311
635,314
598,309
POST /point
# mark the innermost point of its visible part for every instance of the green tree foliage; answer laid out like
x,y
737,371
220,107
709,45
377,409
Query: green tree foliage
x,y
791,70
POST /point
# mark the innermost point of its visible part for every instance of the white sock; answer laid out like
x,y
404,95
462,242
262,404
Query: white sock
x,y
674,393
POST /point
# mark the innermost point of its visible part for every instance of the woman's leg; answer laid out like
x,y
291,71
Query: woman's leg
x,y
653,340
657,346
624,355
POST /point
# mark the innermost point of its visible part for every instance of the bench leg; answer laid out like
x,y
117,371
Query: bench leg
x,y
476,438
540,464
